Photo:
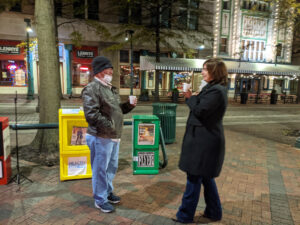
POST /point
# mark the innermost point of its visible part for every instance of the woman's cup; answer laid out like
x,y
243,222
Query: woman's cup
x,y
186,87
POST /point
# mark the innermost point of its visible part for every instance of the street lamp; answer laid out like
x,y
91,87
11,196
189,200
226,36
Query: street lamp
x,y
129,34
201,47
29,75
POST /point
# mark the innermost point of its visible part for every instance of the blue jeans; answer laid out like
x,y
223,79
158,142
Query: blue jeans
x,y
104,163
191,195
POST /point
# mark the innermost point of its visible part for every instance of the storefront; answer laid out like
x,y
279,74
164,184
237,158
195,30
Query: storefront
x,y
13,71
172,73
125,72
243,76
82,67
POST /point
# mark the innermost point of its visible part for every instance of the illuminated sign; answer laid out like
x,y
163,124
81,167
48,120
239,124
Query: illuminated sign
x,y
12,67
84,68
85,54
9,50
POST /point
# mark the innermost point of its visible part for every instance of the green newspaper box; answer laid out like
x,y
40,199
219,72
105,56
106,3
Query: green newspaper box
x,y
145,135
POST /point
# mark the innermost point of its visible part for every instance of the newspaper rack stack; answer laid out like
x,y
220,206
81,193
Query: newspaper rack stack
x,y
74,153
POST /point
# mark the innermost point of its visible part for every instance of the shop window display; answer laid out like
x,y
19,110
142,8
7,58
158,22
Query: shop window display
x,y
81,75
13,73
182,77
125,77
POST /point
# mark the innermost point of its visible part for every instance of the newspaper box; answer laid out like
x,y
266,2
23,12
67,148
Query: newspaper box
x,y
74,153
145,144
5,158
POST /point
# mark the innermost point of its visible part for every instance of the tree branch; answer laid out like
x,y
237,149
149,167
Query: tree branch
x,y
72,21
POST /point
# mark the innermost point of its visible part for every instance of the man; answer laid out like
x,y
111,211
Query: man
x,y
104,114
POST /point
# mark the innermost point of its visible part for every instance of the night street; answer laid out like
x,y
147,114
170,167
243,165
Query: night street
x,y
259,183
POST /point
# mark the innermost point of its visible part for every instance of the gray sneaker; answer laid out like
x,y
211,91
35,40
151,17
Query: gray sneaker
x,y
105,207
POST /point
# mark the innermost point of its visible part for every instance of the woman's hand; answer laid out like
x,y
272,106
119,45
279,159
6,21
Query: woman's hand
x,y
187,94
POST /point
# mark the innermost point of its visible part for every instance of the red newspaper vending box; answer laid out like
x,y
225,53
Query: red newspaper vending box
x,y
5,165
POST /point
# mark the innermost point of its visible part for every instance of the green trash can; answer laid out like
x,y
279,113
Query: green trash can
x,y
166,112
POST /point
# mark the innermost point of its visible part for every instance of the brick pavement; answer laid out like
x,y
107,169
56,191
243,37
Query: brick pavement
x,y
259,184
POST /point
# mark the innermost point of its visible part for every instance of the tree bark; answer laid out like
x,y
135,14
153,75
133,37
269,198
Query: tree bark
x,y
157,53
47,140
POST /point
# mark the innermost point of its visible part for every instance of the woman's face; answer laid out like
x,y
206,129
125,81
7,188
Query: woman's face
x,y
206,76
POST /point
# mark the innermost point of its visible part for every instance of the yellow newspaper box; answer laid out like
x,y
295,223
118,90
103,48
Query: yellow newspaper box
x,y
74,153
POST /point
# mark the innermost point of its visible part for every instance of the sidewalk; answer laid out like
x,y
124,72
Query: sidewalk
x,y
259,184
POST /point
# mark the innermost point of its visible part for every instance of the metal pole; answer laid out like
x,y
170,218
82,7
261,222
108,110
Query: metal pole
x,y
29,75
131,65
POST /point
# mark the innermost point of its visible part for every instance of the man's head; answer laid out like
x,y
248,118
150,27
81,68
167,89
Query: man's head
x,y
100,63
102,68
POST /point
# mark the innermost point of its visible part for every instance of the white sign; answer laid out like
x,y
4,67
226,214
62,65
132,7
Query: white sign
x,y
6,141
84,78
20,77
77,166
145,159
254,27
70,111
1,170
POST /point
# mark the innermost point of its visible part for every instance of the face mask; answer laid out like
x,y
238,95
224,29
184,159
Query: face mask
x,y
107,78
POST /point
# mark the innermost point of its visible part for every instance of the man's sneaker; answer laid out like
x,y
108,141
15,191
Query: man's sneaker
x,y
106,207
113,198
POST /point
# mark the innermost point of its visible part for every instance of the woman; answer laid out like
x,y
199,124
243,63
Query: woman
x,y
203,146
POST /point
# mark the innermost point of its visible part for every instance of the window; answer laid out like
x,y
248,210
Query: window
x,y
279,50
261,5
13,73
136,57
79,9
124,56
194,4
183,19
123,14
223,47
125,76
253,50
81,75
58,7
93,9
188,15
165,18
17,7
136,13
226,4
193,23
86,9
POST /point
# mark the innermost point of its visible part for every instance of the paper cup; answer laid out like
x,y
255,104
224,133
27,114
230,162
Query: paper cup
x,y
132,99
186,87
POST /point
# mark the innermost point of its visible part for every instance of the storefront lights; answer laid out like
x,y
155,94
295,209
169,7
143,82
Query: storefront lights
x,y
11,67
84,68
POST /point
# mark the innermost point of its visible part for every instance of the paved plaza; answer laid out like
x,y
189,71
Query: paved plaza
x,y
259,183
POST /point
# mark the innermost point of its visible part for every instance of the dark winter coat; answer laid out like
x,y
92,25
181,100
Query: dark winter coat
x,y
203,146
103,110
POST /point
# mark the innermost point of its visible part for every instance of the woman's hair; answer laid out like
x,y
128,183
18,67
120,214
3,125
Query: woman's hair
x,y
217,70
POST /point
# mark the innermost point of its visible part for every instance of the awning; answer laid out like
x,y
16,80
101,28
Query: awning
x,y
180,64
170,64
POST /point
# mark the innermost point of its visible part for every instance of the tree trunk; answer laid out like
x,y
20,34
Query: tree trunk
x,y
157,54
47,140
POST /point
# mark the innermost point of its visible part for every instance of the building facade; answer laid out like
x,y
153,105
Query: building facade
x,y
247,34
75,61
251,31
